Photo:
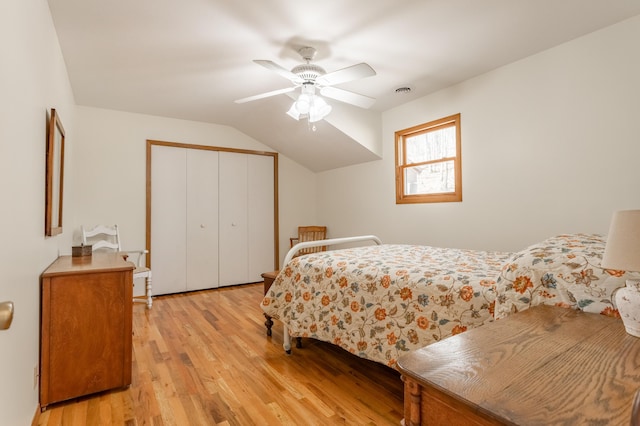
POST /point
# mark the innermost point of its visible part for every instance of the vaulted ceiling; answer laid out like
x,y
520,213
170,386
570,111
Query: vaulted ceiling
x,y
190,59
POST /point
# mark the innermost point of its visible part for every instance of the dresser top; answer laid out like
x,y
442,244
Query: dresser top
x,y
98,262
542,365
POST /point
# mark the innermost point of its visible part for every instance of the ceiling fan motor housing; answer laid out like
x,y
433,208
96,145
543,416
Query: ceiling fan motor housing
x,y
308,72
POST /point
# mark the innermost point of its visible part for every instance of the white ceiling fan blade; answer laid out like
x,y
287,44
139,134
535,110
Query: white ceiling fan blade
x,y
343,75
279,70
265,95
346,96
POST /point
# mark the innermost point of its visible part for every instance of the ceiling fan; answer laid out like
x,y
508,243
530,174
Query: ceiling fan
x,y
310,77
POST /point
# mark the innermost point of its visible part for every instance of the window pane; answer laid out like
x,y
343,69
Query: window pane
x,y
433,145
434,178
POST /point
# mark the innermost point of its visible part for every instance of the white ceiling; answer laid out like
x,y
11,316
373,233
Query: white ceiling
x,y
190,59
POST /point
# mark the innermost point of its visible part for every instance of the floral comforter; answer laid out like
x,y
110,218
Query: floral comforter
x,y
563,271
379,302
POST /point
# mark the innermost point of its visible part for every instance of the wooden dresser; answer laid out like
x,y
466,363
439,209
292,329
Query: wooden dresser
x,y
542,366
86,328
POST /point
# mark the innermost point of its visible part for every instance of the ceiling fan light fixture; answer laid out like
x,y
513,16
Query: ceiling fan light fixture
x,y
319,110
293,112
303,104
309,105
312,107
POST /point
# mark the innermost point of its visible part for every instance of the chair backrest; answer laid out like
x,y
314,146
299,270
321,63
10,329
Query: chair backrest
x,y
311,233
102,237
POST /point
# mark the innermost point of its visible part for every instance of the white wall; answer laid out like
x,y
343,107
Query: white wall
x,y
33,79
109,171
550,144
298,195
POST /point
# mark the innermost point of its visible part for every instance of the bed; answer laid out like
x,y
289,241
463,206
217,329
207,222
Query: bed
x,y
381,301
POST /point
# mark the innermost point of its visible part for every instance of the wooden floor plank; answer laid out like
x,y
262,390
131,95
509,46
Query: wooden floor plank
x,y
203,358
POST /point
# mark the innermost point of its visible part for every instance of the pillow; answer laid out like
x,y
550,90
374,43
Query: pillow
x,y
562,271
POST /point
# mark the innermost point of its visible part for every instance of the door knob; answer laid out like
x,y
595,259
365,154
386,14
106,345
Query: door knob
x,y
6,315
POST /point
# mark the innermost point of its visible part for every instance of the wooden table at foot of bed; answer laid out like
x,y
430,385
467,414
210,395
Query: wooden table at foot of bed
x,y
540,366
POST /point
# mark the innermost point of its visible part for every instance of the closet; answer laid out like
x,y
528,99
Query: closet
x,y
211,216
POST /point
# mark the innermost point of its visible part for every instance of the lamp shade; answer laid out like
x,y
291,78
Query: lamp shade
x,y
304,103
319,109
293,112
622,251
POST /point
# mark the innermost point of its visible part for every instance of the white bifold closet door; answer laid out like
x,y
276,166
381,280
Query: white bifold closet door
x,y
212,218
202,219
246,217
233,226
184,219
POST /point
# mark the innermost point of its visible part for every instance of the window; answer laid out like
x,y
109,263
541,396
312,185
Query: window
x,y
428,162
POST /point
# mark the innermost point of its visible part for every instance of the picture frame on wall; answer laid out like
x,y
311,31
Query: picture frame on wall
x,y
54,175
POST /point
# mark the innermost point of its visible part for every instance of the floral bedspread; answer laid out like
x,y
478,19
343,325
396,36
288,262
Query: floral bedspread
x,y
564,271
379,302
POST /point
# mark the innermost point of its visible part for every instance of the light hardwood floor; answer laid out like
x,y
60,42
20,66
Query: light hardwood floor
x,y
203,358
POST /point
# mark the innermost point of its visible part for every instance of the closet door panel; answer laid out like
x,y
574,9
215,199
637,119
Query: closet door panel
x,y
260,216
233,233
168,216
202,219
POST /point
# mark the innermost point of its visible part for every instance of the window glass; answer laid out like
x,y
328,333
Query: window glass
x,y
433,145
436,178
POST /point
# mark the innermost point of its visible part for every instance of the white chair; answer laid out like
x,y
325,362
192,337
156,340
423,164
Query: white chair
x,y
107,238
